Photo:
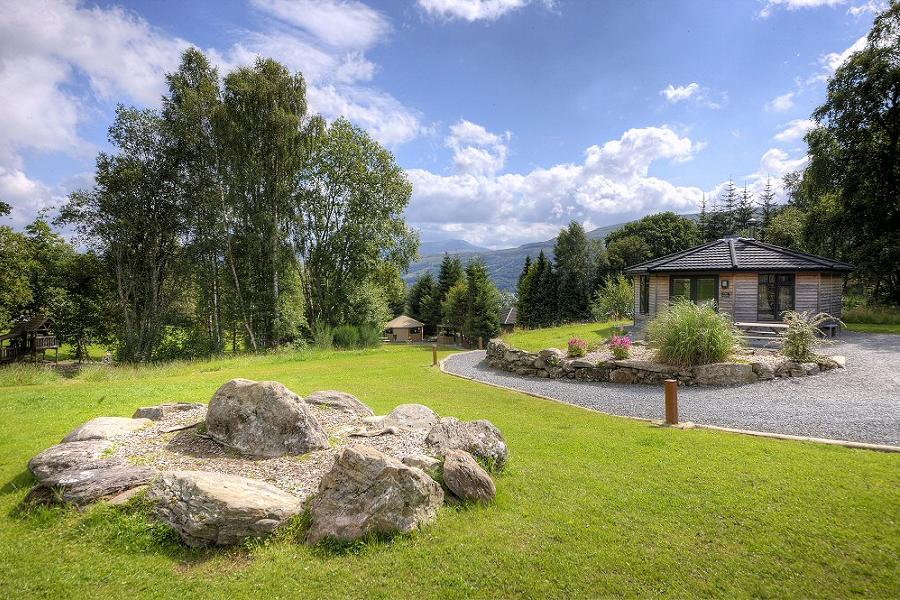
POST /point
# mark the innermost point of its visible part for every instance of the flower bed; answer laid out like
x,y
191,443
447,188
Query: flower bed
x,y
750,366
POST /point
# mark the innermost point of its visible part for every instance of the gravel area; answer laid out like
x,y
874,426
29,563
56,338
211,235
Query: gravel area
x,y
860,403
191,449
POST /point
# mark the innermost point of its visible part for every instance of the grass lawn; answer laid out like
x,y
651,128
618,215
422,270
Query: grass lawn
x,y
535,340
874,327
590,505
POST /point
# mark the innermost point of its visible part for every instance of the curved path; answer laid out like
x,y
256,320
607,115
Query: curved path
x,y
860,403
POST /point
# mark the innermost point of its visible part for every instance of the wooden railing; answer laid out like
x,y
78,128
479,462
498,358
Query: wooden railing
x,y
45,342
8,354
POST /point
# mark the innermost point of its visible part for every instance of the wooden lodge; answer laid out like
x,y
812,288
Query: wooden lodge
x,y
404,329
750,280
29,339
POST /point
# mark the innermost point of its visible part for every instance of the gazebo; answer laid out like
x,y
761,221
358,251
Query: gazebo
x,y
27,338
405,329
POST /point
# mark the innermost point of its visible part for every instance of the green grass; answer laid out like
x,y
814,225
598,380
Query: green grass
x,y
874,327
873,315
535,340
589,505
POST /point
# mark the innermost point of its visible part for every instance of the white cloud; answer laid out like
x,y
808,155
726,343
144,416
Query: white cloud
x,y
783,102
693,92
476,150
612,180
471,10
346,24
773,5
794,130
872,6
833,60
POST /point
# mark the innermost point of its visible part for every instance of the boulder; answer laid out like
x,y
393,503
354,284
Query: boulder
x,y
479,438
840,361
466,479
80,486
369,493
411,417
105,428
809,368
264,419
621,376
83,456
762,370
725,373
429,464
581,363
339,401
215,508
157,413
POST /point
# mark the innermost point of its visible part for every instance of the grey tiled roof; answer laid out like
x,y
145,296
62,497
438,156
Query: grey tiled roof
x,y
509,318
739,254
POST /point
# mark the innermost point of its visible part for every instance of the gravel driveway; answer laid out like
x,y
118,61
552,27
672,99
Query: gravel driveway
x,y
860,403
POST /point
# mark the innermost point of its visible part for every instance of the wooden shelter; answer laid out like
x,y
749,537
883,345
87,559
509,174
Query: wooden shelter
x,y
405,329
750,280
28,338
508,320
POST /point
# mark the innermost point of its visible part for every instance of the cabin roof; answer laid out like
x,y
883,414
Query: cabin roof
x,y
509,317
403,322
738,254
31,325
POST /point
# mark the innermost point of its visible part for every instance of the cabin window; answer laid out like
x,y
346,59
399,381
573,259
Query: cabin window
x,y
645,295
776,295
697,288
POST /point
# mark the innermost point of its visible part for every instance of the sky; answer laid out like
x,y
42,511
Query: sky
x,y
510,117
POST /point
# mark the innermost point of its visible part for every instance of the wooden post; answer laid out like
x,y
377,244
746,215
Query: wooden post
x,y
671,401
434,355
480,343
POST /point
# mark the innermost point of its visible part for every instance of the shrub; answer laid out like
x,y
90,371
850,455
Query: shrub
x,y
614,299
346,336
687,334
620,345
876,315
801,333
577,347
369,336
323,337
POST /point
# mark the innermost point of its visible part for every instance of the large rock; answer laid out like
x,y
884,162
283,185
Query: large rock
x,y
84,456
369,493
339,401
161,411
725,373
83,486
411,417
215,508
105,428
466,479
621,376
479,438
263,418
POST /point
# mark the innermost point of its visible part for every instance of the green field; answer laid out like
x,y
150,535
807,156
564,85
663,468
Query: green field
x,y
535,340
590,505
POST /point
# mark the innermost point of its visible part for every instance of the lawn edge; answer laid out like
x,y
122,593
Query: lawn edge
x,y
764,434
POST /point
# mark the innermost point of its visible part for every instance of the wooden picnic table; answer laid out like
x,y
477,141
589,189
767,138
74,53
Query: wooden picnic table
x,y
765,330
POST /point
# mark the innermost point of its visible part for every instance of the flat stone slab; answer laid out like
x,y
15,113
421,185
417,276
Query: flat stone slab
x,y
82,487
84,456
105,428
214,508
159,412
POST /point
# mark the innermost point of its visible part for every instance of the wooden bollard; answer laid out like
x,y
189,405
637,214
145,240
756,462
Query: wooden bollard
x,y
671,401
481,343
434,355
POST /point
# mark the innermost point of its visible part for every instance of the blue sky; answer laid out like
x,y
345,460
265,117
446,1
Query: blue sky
x,y
512,117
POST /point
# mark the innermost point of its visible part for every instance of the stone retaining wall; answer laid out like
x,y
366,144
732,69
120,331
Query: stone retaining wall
x,y
553,364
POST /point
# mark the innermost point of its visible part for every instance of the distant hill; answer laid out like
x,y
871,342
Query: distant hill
x,y
503,265
449,246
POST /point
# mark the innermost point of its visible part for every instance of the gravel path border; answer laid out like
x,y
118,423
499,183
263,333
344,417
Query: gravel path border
x,y
859,404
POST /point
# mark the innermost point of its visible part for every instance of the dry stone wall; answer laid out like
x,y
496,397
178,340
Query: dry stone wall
x,y
554,364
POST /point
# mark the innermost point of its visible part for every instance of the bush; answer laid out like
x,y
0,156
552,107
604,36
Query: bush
x,y
346,336
620,345
614,300
369,336
876,315
577,347
803,327
687,334
323,337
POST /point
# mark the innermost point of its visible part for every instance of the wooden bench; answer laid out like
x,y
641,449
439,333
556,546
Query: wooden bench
x,y
766,331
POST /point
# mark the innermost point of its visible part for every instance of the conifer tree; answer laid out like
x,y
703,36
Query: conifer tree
x,y
744,212
729,208
483,306
574,273
767,207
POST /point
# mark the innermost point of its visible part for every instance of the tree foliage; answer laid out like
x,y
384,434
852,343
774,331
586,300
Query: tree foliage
x,y
650,237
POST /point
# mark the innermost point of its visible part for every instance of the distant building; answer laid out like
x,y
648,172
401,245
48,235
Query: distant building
x,y
508,320
405,329
28,339
750,280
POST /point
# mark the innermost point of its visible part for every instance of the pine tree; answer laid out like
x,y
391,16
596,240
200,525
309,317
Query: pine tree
x,y
420,301
767,205
525,290
483,306
703,221
574,272
744,212
545,293
729,208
